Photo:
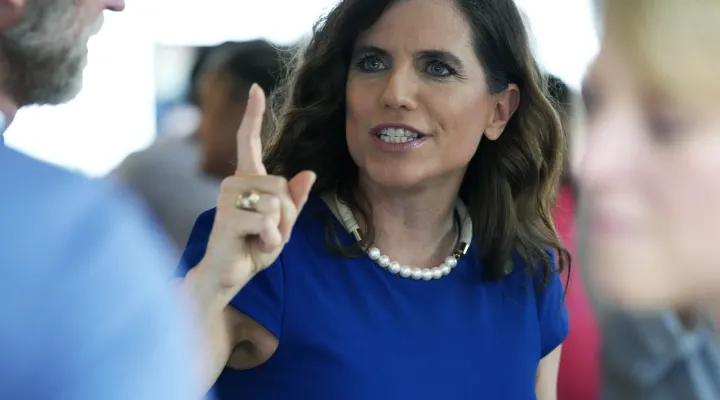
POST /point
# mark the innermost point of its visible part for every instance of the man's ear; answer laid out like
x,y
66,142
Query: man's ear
x,y
10,12
506,103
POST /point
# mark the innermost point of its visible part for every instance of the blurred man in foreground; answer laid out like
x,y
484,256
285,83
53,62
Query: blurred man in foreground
x,y
86,305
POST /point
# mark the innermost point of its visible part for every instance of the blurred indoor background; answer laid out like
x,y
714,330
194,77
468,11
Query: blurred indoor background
x,y
136,84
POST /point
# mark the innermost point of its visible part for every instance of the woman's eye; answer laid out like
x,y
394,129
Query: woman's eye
x,y
371,63
439,69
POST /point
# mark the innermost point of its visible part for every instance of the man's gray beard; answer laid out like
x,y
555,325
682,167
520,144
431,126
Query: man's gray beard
x,y
41,65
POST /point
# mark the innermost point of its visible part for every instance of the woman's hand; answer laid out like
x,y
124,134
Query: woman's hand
x,y
255,215
256,211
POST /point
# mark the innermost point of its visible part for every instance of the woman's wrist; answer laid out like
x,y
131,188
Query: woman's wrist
x,y
207,290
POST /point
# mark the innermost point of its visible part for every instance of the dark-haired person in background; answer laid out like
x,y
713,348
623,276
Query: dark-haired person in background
x,y
397,241
224,82
179,177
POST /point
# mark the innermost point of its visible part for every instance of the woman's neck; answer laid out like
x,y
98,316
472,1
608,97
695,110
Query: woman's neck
x,y
414,227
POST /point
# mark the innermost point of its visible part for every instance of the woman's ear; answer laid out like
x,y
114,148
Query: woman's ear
x,y
506,103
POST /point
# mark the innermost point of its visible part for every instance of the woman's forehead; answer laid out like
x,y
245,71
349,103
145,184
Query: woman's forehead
x,y
419,25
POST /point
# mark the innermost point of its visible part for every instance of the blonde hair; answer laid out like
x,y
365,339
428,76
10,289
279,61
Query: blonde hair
x,y
673,45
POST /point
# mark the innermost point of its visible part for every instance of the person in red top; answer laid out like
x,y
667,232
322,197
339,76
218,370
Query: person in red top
x,y
579,377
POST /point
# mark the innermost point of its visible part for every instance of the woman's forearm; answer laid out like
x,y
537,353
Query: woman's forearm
x,y
216,323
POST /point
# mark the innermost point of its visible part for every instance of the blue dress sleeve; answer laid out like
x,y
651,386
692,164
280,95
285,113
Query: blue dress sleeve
x,y
262,299
552,315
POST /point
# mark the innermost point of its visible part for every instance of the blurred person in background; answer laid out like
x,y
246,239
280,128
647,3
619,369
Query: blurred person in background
x,y
579,376
167,175
86,303
179,177
648,159
223,91
415,163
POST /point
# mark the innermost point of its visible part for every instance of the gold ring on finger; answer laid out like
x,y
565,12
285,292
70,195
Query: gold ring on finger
x,y
247,200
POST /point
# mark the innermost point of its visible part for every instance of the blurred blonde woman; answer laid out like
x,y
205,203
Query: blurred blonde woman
x,y
648,160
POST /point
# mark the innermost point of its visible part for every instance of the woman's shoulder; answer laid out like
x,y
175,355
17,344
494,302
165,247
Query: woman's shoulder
x,y
309,231
534,272
200,233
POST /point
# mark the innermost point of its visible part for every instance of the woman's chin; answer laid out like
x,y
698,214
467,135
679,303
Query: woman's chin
x,y
412,175
400,178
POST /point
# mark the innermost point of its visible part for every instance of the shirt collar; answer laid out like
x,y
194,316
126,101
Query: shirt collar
x,y
3,127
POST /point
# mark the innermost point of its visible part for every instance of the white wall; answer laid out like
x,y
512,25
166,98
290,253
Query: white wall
x,y
280,21
565,37
114,115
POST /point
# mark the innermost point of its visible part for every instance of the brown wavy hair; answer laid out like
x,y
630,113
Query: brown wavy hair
x,y
510,184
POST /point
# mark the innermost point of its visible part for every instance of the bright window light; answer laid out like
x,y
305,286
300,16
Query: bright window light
x,y
114,114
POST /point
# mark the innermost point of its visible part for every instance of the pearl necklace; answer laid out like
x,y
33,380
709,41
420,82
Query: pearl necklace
x,y
351,225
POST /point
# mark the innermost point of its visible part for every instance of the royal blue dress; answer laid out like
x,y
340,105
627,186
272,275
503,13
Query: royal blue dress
x,y
350,330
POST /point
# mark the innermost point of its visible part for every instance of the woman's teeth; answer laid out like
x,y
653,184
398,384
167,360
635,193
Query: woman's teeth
x,y
393,135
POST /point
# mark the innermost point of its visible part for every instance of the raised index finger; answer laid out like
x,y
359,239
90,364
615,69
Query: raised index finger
x,y
249,144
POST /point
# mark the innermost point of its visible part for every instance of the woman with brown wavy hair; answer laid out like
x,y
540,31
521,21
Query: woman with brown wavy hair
x,y
415,162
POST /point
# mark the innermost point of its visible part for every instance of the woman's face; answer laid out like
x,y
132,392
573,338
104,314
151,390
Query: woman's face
x,y
417,101
651,170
